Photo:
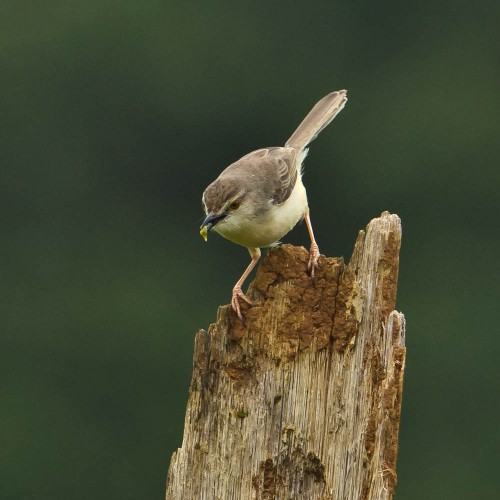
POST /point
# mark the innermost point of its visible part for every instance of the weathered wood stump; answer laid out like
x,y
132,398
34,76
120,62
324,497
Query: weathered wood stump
x,y
304,402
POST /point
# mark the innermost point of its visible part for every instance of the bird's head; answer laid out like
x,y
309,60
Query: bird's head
x,y
226,205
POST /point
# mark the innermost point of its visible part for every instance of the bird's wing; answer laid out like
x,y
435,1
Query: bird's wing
x,y
284,177
271,170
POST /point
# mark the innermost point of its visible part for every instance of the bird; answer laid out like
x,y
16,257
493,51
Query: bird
x,y
258,199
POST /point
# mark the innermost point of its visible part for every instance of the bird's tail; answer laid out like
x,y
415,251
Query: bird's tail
x,y
318,118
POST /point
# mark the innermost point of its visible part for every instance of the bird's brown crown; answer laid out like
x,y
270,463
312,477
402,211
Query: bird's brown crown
x,y
220,193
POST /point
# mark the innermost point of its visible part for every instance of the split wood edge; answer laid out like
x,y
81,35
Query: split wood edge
x,y
305,401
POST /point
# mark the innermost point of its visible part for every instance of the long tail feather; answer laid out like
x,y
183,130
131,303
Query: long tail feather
x,y
318,118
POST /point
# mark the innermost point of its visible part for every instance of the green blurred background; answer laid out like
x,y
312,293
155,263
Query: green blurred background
x,y
115,115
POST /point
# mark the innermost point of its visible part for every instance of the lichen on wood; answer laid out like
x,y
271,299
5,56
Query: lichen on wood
x,y
303,401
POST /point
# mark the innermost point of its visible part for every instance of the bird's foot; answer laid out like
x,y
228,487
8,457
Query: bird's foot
x,y
313,258
235,303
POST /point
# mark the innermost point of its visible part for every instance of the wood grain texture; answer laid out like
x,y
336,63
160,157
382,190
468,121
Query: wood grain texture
x,y
305,402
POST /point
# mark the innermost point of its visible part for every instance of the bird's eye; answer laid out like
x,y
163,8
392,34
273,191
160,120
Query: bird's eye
x,y
234,205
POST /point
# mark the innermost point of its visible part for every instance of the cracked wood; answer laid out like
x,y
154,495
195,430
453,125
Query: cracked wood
x,y
305,401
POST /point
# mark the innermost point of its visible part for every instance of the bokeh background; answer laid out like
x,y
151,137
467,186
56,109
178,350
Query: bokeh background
x,y
115,115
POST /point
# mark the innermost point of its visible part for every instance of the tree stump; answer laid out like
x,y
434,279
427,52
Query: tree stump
x,y
304,401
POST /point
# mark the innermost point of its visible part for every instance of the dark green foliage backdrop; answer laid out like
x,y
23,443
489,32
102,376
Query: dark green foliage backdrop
x,y
114,117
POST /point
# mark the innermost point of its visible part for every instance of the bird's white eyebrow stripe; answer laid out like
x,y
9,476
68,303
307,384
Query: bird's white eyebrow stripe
x,y
234,198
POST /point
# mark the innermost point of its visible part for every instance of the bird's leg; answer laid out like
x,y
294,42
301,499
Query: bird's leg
x,y
237,292
314,252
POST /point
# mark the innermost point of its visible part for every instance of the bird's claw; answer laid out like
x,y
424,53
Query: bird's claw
x,y
235,304
313,259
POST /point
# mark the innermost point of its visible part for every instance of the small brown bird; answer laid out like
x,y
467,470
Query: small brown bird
x,y
258,199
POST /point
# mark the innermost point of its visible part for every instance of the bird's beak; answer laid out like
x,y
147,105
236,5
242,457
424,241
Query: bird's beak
x,y
210,220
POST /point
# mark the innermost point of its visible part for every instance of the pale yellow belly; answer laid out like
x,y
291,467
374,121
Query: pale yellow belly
x,y
271,226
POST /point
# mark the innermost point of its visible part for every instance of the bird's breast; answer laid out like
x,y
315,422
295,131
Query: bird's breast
x,y
270,225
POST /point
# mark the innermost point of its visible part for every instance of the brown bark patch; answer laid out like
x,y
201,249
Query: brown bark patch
x,y
315,467
292,311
